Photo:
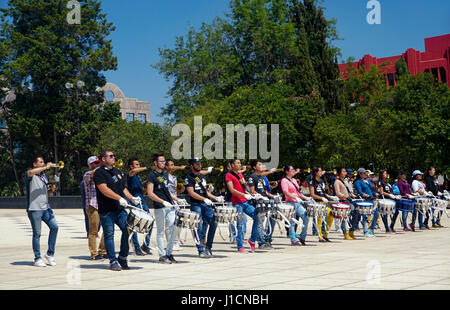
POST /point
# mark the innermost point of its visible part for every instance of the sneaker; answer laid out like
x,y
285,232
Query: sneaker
x,y
39,263
146,249
263,245
368,235
269,244
439,225
322,240
422,228
426,226
252,245
326,239
295,243
242,250
123,263
165,260
411,226
97,257
209,253
203,254
303,242
103,256
176,247
115,266
50,260
138,252
405,229
172,259
393,230
435,226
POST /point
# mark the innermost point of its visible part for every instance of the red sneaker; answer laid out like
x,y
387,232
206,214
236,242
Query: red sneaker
x,y
252,245
405,229
242,250
393,230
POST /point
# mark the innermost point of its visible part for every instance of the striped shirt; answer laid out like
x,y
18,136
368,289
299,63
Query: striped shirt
x,y
89,189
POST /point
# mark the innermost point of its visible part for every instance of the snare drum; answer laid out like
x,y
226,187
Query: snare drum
x,y
287,210
316,209
386,206
340,210
140,221
405,205
423,204
225,214
364,207
439,204
187,219
263,206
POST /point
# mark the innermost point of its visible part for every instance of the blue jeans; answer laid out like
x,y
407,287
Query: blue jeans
x,y
36,218
247,208
435,218
108,220
300,212
374,221
414,216
232,228
147,237
207,216
86,221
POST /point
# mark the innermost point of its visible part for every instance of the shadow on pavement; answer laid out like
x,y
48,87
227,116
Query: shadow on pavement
x,y
23,263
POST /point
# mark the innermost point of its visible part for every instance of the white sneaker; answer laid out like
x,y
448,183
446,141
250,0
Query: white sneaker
x,y
39,263
50,260
176,247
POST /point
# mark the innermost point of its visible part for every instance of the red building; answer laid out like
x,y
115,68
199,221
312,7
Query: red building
x,y
435,59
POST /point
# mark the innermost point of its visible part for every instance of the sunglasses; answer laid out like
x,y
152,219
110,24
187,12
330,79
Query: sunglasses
x,y
111,156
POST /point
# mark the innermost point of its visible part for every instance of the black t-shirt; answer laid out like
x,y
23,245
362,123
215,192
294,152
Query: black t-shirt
x,y
431,184
160,182
114,180
319,187
387,188
258,182
194,181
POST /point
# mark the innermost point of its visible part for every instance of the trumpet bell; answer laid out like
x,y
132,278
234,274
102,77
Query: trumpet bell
x,y
180,188
220,168
118,164
59,165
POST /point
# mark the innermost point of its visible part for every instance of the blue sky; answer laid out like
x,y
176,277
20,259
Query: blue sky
x,y
143,26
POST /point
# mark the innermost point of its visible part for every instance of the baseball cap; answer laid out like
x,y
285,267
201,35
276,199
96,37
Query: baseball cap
x,y
194,160
349,170
93,159
416,172
369,172
361,170
401,172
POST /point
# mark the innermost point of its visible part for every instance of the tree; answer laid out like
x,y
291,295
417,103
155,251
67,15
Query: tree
x,y
45,52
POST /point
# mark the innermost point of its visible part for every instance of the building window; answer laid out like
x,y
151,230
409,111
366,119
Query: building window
x,y
443,74
434,71
2,123
390,77
142,118
130,117
109,96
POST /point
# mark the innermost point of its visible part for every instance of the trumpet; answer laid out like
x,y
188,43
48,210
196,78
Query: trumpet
x,y
220,169
59,165
334,171
180,188
118,164
210,187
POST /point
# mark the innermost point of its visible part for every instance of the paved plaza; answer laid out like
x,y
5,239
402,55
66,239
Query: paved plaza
x,y
412,260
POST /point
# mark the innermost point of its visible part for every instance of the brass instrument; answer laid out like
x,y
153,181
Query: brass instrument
x,y
180,188
59,165
220,169
297,170
144,187
334,171
118,164
210,187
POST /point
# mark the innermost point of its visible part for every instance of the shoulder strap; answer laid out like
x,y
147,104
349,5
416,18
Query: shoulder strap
x,y
238,178
295,186
344,185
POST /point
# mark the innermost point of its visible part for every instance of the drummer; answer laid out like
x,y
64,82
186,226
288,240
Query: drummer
x,y
418,188
319,194
291,190
364,189
343,193
432,187
256,186
202,203
385,190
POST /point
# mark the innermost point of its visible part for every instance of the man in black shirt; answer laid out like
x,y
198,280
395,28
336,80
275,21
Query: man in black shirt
x,y
111,194
165,206
432,187
202,204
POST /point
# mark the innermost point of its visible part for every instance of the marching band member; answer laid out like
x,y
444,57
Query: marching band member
x,y
236,185
92,210
418,188
202,203
434,189
172,187
257,186
134,186
405,190
385,189
344,195
291,190
319,194
111,195
364,188
165,205
39,210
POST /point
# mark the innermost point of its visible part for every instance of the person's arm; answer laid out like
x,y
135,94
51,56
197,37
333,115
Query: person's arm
x,y
106,191
152,195
137,170
339,193
359,189
182,167
313,194
233,191
128,194
39,170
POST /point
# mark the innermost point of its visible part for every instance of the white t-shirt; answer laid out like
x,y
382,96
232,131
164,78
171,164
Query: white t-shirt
x,y
417,186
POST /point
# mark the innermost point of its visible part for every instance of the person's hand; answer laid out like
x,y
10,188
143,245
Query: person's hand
x,y
208,202
123,203
210,169
334,198
182,202
324,199
272,170
298,199
392,196
136,200
257,197
167,204
176,206
49,165
248,197
220,199
265,198
439,194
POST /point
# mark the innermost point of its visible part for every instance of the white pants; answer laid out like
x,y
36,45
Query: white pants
x,y
165,217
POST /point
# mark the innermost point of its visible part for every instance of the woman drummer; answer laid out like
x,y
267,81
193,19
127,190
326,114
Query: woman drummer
x,y
385,189
418,188
344,195
405,191
318,193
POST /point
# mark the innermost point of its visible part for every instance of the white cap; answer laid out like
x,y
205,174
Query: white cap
x,y
93,159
